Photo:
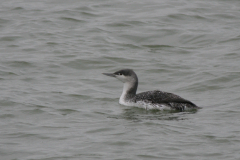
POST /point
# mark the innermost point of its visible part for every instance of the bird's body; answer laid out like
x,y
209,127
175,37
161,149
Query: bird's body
x,y
157,100
151,99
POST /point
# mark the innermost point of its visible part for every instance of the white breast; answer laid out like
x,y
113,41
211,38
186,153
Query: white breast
x,y
124,102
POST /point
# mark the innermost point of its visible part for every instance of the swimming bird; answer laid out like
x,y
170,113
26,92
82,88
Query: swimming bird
x,y
151,99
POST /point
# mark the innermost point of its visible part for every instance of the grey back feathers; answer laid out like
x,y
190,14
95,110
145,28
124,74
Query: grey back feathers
x,y
157,96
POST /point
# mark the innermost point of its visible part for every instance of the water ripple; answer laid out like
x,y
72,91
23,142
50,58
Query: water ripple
x,y
56,104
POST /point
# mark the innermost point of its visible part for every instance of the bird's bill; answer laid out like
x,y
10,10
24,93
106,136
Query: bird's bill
x,y
109,74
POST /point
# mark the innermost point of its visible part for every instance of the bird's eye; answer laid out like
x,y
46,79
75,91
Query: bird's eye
x,y
119,73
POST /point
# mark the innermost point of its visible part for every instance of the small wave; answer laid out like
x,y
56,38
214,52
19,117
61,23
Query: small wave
x,y
7,73
67,111
3,116
20,64
3,21
9,38
33,111
233,39
157,46
88,14
186,16
118,24
140,114
224,16
18,8
72,19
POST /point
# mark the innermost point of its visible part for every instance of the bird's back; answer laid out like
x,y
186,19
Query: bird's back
x,y
157,97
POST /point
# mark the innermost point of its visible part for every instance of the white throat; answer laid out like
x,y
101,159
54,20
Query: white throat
x,y
126,87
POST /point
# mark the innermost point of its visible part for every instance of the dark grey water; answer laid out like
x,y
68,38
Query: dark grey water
x,y
55,103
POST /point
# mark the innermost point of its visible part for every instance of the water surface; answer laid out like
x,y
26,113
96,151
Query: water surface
x,y
55,103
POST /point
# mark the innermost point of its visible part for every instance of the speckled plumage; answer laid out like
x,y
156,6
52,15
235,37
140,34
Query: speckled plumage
x,y
164,98
149,99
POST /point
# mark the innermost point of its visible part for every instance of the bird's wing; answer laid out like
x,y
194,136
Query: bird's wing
x,y
157,96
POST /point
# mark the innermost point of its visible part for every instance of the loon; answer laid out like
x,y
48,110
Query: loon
x,y
151,99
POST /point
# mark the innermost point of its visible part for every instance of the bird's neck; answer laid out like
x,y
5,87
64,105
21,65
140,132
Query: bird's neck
x,y
129,91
